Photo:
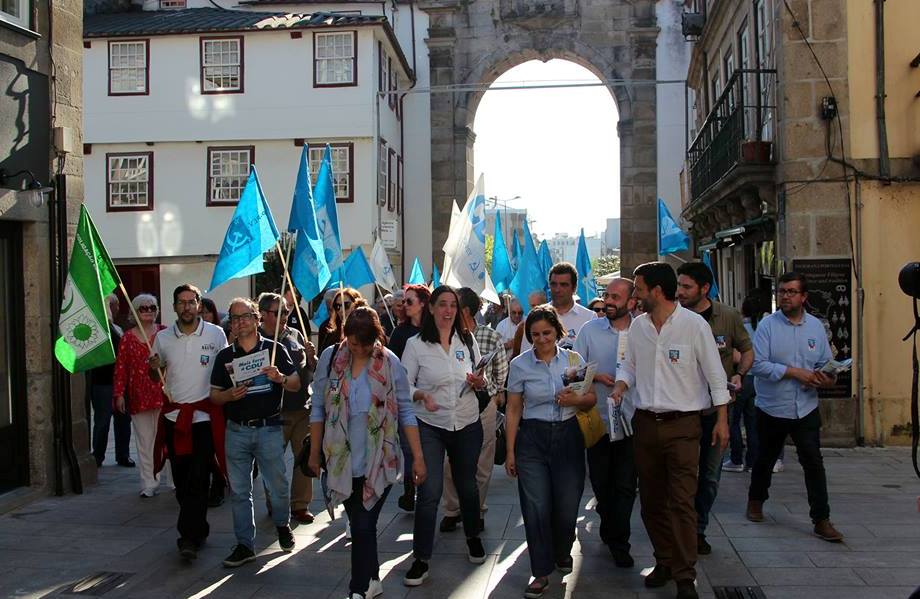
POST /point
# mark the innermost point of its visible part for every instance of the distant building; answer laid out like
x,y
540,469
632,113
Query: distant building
x,y
564,247
512,220
612,235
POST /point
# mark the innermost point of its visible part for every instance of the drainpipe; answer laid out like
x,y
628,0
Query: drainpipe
x,y
884,164
860,341
402,147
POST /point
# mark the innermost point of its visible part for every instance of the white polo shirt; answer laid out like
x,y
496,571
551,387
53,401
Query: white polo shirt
x,y
571,321
189,360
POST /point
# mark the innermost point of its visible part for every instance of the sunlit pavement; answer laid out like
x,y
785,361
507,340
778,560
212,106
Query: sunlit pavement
x,y
49,545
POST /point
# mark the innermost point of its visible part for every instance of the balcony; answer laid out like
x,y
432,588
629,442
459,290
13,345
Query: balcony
x,y
737,136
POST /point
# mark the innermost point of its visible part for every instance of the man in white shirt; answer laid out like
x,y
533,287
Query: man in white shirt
x,y
563,280
508,326
187,351
673,364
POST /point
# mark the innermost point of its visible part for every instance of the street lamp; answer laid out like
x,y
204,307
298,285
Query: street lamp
x,y
34,189
495,202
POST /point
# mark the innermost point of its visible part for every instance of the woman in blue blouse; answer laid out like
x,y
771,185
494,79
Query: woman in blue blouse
x,y
546,450
365,399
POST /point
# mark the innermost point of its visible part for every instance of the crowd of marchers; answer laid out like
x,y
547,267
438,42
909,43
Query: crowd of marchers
x,y
428,390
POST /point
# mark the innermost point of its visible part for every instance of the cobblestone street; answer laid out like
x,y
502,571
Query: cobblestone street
x,y
50,544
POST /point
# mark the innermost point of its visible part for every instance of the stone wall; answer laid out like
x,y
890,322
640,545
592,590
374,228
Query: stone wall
x,y
473,43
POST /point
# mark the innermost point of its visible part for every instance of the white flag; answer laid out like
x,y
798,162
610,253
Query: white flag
x,y
383,270
451,244
465,250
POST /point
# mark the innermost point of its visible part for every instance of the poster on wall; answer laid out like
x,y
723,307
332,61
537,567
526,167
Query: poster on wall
x,y
829,298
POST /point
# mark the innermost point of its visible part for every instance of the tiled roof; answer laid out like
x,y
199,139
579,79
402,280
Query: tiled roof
x,y
199,20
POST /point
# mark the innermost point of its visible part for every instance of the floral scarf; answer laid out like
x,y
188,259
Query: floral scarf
x,y
384,457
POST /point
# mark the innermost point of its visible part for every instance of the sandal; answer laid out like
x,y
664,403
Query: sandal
x,y
536,588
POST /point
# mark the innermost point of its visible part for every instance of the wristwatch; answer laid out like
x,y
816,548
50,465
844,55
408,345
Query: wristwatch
x,y
284,381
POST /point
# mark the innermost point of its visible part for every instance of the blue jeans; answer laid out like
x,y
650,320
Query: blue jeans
x,y
710,472
462,448
364,562
103,414
550,459
743,408
265,445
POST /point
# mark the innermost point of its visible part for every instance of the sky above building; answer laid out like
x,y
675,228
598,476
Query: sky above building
x,y
556,148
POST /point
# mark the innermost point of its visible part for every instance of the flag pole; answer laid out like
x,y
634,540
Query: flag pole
x,y
389,314
280,312
140,326
287,275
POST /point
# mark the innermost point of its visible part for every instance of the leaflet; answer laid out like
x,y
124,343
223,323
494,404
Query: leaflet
x,y
833,367
249,367
579,378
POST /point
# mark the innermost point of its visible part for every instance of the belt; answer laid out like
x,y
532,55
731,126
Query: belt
x,y
663,416
274,420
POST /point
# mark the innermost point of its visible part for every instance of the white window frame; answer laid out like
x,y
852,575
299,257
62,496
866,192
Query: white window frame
x,y
140,68
234,181
119,174
217,67
24,8
326,62
342,165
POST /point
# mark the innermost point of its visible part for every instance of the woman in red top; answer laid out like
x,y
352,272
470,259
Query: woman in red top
x,y
138,392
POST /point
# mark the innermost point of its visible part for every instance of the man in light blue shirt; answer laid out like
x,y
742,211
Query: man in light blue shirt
x,y
790,347
611,464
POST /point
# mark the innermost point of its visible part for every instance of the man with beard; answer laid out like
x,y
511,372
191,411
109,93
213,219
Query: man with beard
x,y
611,464
790,347
671,361
694,280
188,431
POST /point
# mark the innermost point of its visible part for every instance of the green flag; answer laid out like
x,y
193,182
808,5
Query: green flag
x,y
84,340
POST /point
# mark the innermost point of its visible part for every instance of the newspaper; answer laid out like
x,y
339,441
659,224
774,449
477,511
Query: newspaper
x,y
579,378
480,366
833,367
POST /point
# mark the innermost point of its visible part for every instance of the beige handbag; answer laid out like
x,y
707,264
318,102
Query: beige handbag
x,y
589,421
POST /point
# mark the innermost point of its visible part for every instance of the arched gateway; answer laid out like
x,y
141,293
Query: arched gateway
x,y
472,42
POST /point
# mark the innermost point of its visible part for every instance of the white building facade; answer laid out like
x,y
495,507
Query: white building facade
x,y
183,98
564,247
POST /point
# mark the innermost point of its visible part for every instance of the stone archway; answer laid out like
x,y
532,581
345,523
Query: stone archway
x,y
472,42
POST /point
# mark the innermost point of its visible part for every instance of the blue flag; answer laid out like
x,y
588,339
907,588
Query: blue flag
x,y
309,269
714,290
587,288
515,252
251,233
546,262
355,271
502,273
321,314
327,218
529,276
671,238
435,277
417,277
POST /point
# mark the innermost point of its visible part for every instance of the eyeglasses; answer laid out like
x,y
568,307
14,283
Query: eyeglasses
x,y
339,306
788,292
193,302
146,308
249,316
599,309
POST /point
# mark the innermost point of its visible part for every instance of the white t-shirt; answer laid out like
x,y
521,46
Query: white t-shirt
x,y
506,329
189,360
572,321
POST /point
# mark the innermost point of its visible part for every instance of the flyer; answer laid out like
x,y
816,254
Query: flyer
x,y
579,378
249,367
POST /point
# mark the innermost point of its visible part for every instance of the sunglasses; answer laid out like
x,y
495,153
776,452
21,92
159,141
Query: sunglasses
x,y
147,309
599,309
410,302
339,306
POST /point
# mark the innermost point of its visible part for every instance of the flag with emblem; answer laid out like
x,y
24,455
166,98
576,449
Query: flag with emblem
x,y
251,233
84,339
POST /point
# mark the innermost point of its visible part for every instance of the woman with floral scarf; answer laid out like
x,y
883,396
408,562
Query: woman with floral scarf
x,y
365,399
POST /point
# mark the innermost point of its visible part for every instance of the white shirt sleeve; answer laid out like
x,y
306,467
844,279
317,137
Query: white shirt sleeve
x,y
410,363
627,370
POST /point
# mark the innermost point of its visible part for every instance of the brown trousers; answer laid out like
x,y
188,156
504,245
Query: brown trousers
x,y
296,428
667,459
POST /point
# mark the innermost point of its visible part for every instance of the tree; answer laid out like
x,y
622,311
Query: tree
x,y
490,245
604,265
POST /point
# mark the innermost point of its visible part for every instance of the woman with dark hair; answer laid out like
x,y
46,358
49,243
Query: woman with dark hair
x,y
365,399
546,450
740,460
207,309
598,307
332,331
439,362
415,304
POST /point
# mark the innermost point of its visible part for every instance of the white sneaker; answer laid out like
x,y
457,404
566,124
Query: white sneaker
x,y
148,492
347,529
730,466
778,466
374,589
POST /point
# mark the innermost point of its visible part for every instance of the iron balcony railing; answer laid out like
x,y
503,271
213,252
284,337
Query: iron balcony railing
x,y
738,129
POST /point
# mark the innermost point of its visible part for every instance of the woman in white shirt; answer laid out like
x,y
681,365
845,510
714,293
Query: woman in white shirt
x,y
439,362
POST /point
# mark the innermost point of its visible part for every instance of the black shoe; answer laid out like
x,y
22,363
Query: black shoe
x,y
564,564
285,538
658,577
622,558
686,589
449,523
188,548
216,496
241,555
416,574
126,463
476,552
702,546
406,503
482,525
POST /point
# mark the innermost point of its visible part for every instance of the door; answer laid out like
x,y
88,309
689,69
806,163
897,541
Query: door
x,y
14,448
138,278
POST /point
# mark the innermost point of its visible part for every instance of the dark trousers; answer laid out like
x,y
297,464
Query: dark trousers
x,y
743,409
101,397
364,562
612,471
191,475
667,458
806,434
551,478
462,448
710,472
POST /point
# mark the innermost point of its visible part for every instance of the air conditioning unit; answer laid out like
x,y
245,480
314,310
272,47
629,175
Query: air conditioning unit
x,y
692,23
